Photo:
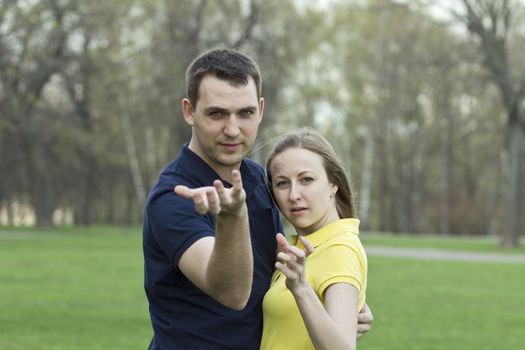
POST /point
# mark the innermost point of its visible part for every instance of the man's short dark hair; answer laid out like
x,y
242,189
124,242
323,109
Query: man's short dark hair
x,y
225,64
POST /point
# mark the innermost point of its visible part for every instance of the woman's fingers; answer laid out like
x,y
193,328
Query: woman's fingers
x,y
286,270
282,243
299,254
293,259
288,250
308,247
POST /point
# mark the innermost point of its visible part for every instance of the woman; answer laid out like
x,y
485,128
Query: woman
x,y
313,302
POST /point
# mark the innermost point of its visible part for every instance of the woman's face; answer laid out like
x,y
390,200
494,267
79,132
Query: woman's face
x,y
301,188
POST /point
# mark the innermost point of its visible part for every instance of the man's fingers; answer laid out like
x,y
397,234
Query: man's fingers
x,y
362,329
214,205
183,191
365,316
237,184
200,202
364,320
216,198
225,200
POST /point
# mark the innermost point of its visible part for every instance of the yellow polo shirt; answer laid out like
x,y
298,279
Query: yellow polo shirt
x,y
338,257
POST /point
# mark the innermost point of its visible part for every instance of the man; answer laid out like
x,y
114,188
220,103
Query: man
x,y
209,249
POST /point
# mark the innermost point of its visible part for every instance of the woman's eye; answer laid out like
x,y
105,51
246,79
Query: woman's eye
x,y
307,180
281,184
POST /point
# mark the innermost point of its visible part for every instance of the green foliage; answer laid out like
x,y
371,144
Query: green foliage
x,y
90,103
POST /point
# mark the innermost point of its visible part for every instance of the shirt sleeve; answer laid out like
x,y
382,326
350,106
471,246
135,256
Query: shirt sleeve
x,y
340,264
176,225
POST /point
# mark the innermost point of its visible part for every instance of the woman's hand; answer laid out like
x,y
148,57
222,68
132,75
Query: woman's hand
x,y
291,261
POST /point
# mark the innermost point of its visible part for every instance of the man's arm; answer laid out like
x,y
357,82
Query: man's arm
x,y
365,320
221,266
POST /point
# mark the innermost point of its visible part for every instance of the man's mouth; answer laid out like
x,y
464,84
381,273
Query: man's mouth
x,y
230,146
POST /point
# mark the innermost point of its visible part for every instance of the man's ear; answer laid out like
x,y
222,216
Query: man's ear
x,y
187,111
261,107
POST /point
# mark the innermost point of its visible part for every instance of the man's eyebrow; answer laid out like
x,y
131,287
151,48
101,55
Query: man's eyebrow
x,y
214,109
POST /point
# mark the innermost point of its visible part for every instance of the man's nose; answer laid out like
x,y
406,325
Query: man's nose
x,y
231,129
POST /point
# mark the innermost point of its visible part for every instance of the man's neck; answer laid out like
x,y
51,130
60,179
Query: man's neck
x,y
224,171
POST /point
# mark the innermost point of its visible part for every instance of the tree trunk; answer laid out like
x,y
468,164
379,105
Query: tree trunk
x,y
514,191
366,181
385,190
133,160
85,204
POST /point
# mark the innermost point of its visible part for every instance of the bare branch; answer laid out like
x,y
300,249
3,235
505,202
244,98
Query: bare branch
x,y
251,21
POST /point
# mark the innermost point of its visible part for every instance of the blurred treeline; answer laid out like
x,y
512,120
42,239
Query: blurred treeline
x,y
90,102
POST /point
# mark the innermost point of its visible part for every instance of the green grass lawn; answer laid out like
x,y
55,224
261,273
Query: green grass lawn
x,y
445,305
73,290
487,244
82,289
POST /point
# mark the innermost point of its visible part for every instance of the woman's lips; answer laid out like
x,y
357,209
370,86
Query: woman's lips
x,y
298,211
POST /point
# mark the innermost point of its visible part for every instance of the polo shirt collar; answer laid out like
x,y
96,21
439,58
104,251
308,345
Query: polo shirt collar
x,y
329,231
197,168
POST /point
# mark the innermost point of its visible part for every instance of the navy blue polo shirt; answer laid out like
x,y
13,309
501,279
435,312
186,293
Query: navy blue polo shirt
x,y
184,317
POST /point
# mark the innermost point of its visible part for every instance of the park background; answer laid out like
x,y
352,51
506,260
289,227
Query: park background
x,y
423,100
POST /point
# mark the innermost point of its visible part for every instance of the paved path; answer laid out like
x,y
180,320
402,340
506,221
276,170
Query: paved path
x,y
437,254
371,250
25,235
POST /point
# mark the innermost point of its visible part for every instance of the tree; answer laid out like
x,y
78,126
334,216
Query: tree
x,y
31,54
491,22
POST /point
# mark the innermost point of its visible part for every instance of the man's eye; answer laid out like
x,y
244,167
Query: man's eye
x,y
247,113
216,114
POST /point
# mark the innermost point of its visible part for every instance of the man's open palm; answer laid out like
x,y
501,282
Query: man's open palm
x,y
216,199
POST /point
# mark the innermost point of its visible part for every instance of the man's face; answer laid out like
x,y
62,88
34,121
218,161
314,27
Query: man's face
x,y
224,122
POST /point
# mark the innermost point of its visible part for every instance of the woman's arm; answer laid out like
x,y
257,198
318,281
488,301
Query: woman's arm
x,y
333,326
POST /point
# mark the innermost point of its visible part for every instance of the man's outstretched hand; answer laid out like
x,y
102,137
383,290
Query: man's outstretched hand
x,y
216,199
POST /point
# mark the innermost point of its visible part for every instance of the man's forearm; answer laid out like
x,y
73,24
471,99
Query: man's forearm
x,y
230,268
